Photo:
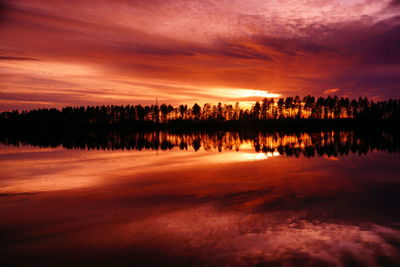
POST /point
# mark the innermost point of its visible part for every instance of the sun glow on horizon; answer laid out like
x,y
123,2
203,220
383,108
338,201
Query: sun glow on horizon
x,y
243,93
255,93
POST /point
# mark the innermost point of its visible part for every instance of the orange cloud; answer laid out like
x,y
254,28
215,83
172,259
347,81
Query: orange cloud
x,y
331,91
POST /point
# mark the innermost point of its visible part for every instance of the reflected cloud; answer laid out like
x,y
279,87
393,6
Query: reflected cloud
x,y
248,239
53,169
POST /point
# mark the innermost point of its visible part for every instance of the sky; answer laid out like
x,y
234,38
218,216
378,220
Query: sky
x,y
83,52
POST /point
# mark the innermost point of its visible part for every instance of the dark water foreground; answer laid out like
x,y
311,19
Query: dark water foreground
x,y
201,199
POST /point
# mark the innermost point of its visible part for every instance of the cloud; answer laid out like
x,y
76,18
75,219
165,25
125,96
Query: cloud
x,y
15,58
331,91
395,3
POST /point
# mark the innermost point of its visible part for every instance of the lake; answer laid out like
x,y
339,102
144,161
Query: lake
x,y
201,199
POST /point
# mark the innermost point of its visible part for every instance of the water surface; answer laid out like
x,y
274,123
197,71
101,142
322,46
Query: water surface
x,y
327,199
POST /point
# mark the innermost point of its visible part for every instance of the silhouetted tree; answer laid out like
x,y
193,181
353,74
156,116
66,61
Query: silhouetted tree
x,y
196,110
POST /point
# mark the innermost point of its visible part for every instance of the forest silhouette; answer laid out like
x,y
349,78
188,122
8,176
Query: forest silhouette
x,y
290,111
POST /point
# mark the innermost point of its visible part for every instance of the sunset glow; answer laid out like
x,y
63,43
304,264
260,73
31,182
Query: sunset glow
x,y
200,133
242,93
61,53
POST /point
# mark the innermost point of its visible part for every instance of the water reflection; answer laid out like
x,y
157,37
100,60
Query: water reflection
x,y
143,206
308,144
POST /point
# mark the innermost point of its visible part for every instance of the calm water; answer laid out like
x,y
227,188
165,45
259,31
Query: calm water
x,y
224,199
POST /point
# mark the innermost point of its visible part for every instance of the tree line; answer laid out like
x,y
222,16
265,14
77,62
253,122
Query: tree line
x,y
268,109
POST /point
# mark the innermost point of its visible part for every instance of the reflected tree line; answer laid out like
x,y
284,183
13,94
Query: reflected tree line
x,y
308,107
308,144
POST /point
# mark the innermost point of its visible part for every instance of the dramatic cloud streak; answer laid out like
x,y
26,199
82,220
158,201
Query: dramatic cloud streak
x,y
77,52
